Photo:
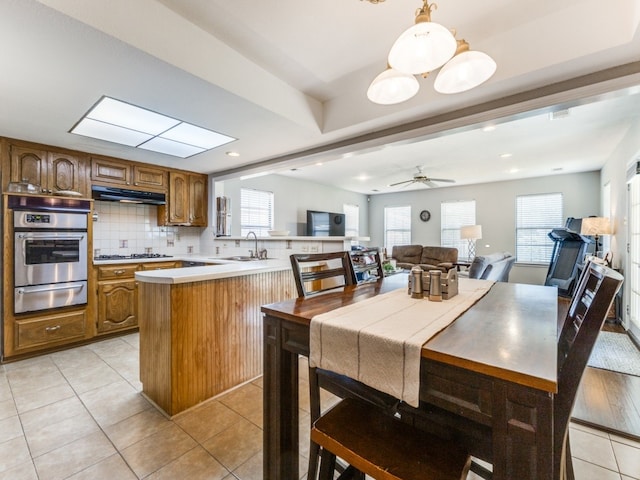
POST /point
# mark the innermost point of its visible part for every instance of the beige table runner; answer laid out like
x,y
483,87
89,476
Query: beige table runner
x,y
378,341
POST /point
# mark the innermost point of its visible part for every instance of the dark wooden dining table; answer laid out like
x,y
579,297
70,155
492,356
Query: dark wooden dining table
x,y
488,380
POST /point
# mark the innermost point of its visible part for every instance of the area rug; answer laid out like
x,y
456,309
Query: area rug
x,y
616,352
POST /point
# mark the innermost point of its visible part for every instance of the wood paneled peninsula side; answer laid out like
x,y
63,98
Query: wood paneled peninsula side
x,y
201,328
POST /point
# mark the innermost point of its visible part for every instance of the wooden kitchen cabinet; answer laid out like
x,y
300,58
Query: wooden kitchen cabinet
x,y
120,173
198,200
186,202
50,330
117,305
52,170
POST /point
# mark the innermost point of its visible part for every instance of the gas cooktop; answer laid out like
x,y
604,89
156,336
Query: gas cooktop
x,y
132,256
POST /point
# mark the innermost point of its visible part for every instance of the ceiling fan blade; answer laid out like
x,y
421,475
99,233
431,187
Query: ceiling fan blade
x,y
400,183
446,180
429,183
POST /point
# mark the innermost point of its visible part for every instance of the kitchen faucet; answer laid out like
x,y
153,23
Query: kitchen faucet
x,y
254,252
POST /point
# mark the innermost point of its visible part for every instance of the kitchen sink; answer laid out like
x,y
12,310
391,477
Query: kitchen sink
x,y
240,258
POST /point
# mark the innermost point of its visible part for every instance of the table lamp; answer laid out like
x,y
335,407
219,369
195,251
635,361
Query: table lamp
x,y
595,226
471,233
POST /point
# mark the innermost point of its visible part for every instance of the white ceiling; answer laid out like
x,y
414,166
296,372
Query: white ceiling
x,y
288,79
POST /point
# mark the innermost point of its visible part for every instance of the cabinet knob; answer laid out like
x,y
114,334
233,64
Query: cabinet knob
x,y
52,329
118,272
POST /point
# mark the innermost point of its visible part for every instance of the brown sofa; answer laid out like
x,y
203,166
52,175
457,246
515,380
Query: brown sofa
x,y
428,258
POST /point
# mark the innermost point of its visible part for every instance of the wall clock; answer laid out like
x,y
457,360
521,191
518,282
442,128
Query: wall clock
x,y
425,215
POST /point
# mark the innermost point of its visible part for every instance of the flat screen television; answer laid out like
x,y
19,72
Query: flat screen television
x,y
325,224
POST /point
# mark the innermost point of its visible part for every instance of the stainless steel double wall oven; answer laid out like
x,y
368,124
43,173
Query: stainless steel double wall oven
x,y
50,251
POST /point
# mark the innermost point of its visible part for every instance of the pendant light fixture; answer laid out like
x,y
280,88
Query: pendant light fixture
x,y
423,48
392,86
466,70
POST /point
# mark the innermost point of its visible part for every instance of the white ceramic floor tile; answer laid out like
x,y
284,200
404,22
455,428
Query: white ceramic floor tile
x,y
628,459
593,449
588,471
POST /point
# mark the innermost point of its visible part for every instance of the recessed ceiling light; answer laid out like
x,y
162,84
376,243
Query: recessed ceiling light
x,y
233,154
489,128
120,122
362,177
319,164
558,114
514,170
506,155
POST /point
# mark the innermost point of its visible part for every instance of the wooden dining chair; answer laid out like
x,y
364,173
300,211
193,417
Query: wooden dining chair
x,y
309,271
367,263
353,436
318,272
592,299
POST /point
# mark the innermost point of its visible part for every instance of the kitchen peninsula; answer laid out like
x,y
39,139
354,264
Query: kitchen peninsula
x,y
201,328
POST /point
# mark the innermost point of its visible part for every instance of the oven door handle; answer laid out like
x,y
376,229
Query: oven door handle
x,y
41,235
24,290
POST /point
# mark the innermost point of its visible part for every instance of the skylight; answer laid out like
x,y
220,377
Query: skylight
x,y
126,124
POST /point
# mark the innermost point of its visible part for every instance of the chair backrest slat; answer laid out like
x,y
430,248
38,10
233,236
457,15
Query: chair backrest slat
x,y
312,270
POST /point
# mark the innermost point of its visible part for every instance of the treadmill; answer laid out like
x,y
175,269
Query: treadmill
x,y
568,254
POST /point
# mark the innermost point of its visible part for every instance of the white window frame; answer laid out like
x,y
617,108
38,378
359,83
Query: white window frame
x,y
397,226
632,276
536,215
352,220
256,211
453,215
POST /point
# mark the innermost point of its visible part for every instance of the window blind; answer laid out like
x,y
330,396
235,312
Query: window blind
x,y
453,216
352,220
397,226
256,212
536,216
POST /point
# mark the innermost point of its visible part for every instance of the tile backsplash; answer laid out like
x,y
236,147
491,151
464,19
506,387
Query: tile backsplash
x,y
124,229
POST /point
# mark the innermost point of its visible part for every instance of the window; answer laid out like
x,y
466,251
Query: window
x,y
536,216
633,274
352,220
453,216
397,227
256,212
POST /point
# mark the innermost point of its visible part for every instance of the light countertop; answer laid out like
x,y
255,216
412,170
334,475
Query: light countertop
x,y
221,269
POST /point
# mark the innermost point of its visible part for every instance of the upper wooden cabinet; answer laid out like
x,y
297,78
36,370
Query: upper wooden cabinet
x,y
186,202
111,171
52,170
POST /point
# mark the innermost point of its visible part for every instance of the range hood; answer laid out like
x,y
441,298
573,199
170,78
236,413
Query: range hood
x,y
113,194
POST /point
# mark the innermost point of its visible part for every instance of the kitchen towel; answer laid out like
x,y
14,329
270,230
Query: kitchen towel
x,y
378,341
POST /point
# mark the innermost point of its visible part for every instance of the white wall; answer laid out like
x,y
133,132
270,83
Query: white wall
x,y
495,211
614,173
292,199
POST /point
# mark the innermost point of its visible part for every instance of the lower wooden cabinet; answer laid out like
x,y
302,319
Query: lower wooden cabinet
x,y
117,304
50,330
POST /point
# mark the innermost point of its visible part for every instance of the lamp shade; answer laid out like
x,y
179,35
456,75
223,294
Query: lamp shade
x,y
391,87
465,71
422,48
595,226
471,232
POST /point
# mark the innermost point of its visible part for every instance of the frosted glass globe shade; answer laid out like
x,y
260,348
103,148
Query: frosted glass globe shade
x,y
464,72
391,87
422,48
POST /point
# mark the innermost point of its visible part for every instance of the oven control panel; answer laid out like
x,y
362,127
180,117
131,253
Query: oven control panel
x,y
37,218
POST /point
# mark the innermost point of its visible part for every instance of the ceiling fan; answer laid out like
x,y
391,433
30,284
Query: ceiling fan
x,y
419,177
